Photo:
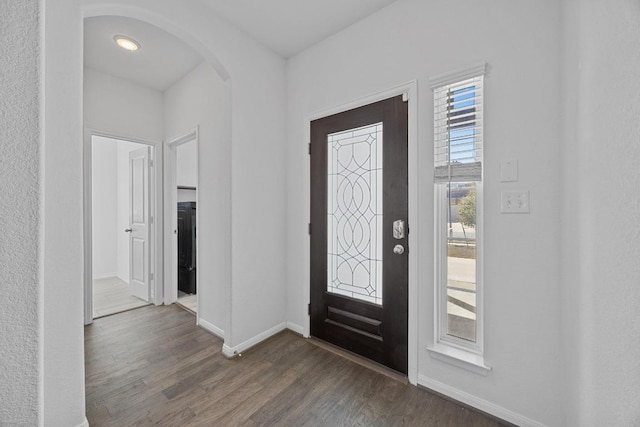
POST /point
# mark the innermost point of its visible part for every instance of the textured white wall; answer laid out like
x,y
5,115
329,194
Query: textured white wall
x,y
104,207
20,169
607,212
409,40
201,99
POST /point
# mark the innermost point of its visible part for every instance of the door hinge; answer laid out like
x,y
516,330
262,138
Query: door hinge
x,y
151,220
309,229
309,148
405,97
151,276
150,163
309,309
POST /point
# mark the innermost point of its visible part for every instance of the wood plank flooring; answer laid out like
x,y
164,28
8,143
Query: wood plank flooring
x,y
154,366
189,301
111,295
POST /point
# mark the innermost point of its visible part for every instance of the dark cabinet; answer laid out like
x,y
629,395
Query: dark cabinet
x,y
187,247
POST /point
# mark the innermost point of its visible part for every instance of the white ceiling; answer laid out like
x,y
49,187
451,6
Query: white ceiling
x,y
290,26
285,26
161,60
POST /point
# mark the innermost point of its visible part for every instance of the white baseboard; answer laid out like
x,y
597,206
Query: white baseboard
x,y
478,403
85,423
228,351
295,328
210,327
104,276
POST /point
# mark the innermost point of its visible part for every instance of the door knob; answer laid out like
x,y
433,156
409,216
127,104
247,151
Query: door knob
x,y
398,249
128,230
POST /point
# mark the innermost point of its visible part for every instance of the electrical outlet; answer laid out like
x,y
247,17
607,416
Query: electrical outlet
x,y
515,202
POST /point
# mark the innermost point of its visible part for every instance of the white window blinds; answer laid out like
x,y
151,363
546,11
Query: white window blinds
x,y
458,131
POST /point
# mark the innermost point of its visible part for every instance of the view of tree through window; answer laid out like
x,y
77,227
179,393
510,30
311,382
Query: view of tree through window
x,y
461,260
458,175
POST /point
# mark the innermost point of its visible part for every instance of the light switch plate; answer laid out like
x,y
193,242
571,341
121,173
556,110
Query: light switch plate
x,y
509,170
515,202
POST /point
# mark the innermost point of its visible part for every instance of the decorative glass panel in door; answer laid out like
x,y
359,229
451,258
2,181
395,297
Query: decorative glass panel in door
x,y
354,217
358,263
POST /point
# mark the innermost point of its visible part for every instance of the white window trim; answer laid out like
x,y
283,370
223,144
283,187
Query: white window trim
x,y
447,348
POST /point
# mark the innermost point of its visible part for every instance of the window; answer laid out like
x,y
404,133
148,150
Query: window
x,y
458,156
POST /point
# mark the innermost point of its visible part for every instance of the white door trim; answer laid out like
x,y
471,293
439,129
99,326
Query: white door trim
x,y
410,91
156,211
171,225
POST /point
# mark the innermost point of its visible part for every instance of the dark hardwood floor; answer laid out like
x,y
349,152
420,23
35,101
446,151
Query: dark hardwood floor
x,y
154,366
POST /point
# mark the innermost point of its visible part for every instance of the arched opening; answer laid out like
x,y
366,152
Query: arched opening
x,y
198,100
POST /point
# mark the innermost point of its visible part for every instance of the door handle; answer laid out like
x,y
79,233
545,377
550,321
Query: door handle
x,y
128,230
398,249
399,227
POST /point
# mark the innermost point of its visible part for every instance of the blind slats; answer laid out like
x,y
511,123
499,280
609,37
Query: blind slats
x,y
458,120
458,172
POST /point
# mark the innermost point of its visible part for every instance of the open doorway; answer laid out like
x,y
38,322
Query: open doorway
x,y
121,225
182,198
186,161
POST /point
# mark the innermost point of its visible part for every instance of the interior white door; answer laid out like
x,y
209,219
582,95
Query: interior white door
x,y
139,222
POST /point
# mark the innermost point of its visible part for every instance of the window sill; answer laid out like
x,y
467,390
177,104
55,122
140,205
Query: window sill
x,y
460,358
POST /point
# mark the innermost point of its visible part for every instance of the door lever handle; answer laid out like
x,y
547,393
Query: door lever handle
x,y
128,230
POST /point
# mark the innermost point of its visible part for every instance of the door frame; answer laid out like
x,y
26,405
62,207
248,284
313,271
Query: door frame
x,y
156,244
171,198
409,91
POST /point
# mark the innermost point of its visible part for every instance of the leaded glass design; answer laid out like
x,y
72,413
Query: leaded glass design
x,y
354,217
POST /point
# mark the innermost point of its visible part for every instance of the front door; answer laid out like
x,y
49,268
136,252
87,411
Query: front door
x,y
359,242
139,219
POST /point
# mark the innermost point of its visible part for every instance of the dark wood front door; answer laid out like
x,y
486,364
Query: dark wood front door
x,y
359,212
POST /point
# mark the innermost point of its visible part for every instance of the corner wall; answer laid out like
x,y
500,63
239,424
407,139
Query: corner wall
x,y
604,364
414,39
62,342
201,99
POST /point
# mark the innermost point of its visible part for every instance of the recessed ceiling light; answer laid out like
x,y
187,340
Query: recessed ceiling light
x,y
127,43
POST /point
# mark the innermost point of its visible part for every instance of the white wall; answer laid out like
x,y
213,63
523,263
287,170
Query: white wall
x,y
20,246
186,195
60,215
104,207
406,41
573,343
200,99
187,154
119,107
602,137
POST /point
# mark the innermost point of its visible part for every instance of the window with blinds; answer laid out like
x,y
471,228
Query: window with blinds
x,y
458,156
458,131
